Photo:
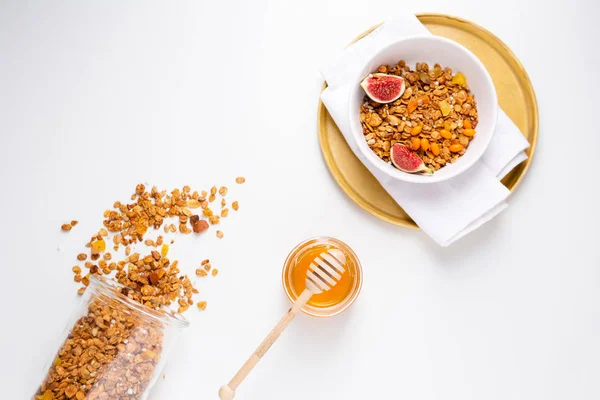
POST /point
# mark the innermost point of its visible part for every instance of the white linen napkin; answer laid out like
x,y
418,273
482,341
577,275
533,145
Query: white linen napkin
x,y
447,210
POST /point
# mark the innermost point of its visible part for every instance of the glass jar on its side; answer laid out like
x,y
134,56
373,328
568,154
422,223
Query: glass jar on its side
x,y
113,348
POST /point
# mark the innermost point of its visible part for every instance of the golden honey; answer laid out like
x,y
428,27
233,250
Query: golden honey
x,y
336,299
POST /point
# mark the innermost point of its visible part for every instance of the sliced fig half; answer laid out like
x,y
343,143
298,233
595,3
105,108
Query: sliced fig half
x,y
383,88
406,160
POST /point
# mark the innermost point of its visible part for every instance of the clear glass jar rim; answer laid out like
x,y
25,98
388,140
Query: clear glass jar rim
x,y
166,316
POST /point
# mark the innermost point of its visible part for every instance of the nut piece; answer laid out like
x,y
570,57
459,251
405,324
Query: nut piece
x,y
200,226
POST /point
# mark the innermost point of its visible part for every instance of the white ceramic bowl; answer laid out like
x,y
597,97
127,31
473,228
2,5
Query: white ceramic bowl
x,y
432,49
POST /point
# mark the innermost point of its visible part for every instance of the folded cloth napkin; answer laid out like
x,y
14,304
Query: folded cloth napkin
x,y
447,210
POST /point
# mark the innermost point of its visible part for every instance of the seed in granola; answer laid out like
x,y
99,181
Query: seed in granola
x,y
66,227
240,180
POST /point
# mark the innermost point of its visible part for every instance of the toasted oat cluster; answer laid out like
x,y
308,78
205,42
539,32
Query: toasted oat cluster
x,y
436,116
110,354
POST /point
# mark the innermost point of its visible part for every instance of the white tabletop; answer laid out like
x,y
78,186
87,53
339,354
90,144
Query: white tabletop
x,y
95,98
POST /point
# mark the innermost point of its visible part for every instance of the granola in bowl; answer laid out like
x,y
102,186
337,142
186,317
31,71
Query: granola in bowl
x,y
433,114
427,110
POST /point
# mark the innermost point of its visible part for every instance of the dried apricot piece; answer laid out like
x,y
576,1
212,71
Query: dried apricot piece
x,y
445,134
415,144
416,130
412,105
455,148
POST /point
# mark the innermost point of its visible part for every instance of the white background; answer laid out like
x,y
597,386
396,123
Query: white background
x,y
98,96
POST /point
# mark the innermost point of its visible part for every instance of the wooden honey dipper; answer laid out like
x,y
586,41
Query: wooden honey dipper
x,y
323,273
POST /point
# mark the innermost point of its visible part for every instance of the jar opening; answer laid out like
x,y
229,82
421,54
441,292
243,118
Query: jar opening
x,y
164,316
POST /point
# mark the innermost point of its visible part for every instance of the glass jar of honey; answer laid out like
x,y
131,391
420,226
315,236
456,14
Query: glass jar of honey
x,y
340,296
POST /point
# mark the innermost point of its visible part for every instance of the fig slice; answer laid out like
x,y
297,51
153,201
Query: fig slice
x,y
406,160
383,88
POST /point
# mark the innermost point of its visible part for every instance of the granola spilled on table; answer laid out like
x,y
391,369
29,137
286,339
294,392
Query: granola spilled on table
x,y
128,223
435,117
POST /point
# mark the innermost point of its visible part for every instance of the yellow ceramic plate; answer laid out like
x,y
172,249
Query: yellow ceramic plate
x,y
515,95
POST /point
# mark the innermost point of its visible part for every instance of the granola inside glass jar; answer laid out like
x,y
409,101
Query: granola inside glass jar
x,y
113,348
